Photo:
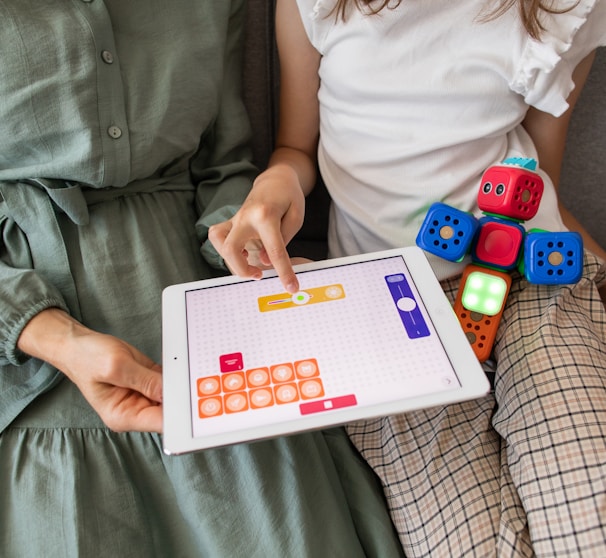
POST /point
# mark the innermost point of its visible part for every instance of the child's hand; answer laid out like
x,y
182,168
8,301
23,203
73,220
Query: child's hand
x,y
256,237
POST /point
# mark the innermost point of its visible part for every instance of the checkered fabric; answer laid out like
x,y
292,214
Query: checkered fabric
x,y
521,472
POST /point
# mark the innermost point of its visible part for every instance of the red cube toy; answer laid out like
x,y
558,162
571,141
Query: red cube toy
x,y
498,243
510,191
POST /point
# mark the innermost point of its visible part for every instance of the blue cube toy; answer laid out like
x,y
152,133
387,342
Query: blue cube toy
x,y
553,258
447,232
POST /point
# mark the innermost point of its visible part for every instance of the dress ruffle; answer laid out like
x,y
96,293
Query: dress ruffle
x,y
322,8
317,20
541,57
87,491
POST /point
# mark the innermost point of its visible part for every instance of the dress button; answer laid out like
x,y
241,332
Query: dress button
x,y
107,57
114,132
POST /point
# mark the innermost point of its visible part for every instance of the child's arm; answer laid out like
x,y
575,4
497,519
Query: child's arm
x,y
273,212
549,136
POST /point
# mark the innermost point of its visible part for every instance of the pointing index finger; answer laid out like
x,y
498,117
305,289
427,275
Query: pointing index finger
x,y
277,255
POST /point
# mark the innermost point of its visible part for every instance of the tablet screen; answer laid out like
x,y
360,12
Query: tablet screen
x,y
355,335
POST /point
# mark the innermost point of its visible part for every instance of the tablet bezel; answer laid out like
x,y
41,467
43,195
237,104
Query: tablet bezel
x,y
178,432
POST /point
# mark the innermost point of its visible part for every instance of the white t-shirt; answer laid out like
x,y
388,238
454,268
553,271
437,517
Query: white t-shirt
x,y
417,101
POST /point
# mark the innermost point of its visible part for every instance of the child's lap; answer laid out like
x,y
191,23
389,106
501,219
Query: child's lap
x,y
464,468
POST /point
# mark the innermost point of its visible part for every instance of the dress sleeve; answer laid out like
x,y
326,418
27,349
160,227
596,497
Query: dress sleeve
x,y
23,292
222,169
544,75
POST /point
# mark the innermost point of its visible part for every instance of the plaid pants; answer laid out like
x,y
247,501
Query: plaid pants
x,y
521,472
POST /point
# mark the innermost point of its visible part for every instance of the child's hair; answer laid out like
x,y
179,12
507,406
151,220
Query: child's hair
x,y
529,10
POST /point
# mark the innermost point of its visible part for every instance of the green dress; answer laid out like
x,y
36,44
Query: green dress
x,y
122,138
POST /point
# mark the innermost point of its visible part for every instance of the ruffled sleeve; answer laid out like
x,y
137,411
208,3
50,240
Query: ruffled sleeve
x,y
317,20
544,74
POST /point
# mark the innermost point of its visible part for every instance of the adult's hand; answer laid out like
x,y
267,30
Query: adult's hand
x,y
120,383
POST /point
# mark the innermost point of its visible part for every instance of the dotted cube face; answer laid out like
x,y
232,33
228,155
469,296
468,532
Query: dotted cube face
x,y
510,191
447,232
498,243
553,258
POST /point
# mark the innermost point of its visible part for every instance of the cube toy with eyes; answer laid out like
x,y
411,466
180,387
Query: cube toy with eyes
x,y
511,191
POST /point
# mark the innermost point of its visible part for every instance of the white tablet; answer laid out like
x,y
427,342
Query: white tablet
x,y
366,336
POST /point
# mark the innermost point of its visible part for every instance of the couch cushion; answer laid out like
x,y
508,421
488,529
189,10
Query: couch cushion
x,y
583,181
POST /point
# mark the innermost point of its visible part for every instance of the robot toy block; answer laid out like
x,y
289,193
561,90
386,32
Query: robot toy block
x,y
511,190
509,194
485,290
553,258
498,243
447,232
